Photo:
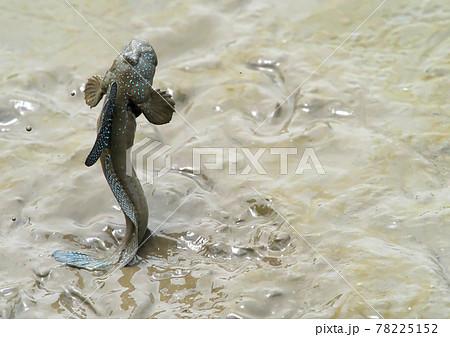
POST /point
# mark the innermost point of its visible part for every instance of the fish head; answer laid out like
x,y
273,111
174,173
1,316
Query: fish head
x,y
133,71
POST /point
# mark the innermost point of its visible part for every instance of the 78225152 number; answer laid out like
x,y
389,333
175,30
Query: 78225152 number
x,y
406,328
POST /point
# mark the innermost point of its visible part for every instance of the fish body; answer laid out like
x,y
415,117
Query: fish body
x,y
128,88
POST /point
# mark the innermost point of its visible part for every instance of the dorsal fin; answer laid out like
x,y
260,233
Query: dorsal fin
x,y
104,135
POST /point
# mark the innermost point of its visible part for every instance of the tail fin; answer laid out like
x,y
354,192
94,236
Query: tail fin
x,y
79,260
123,255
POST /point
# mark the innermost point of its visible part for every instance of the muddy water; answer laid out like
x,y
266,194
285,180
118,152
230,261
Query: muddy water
x,y
367,239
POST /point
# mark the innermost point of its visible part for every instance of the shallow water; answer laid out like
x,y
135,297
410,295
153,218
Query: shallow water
x,y
367,239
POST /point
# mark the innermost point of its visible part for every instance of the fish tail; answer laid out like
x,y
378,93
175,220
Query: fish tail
x,y
80,260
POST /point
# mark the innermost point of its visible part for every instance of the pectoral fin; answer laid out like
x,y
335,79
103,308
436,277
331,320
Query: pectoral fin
x,y
160,109
104,135
93,92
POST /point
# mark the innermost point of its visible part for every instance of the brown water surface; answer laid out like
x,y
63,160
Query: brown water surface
x,y
368,238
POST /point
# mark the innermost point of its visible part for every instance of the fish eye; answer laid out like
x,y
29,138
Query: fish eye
x,y
131,58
